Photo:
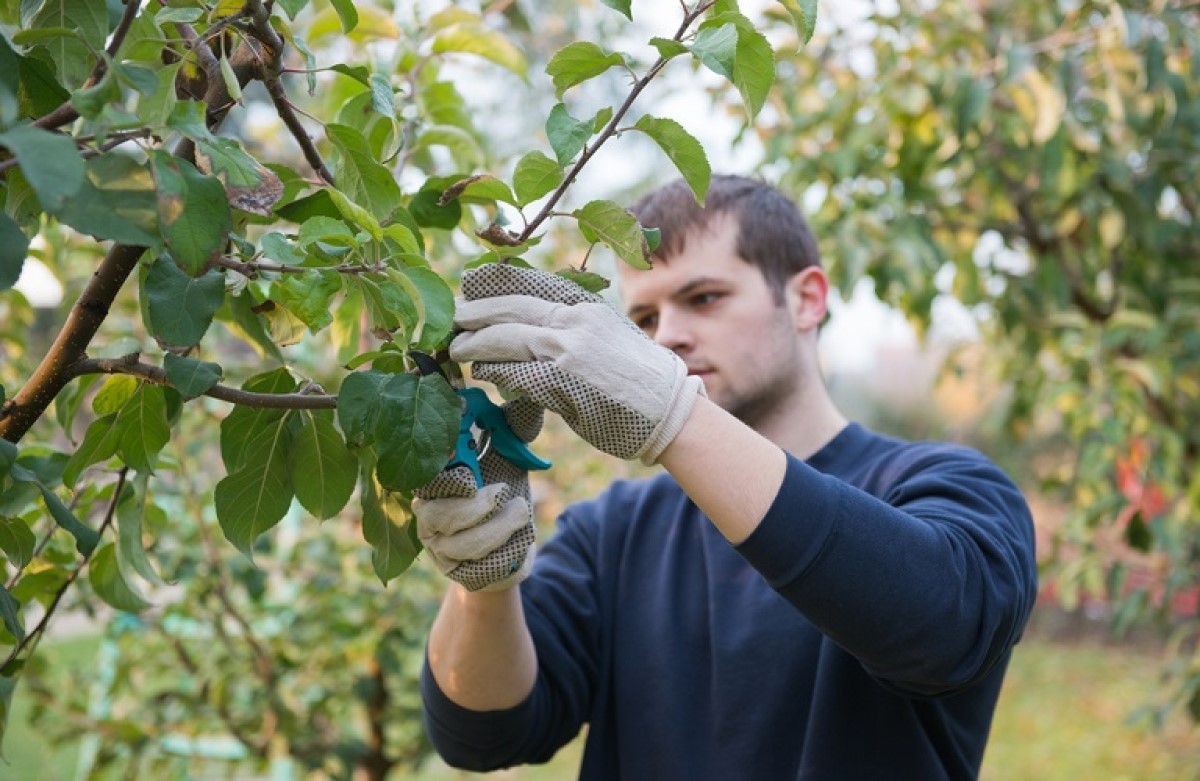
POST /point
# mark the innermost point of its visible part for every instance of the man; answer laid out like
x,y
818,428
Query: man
x,y
796,597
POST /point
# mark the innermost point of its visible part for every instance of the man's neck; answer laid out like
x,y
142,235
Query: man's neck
x,y
806,425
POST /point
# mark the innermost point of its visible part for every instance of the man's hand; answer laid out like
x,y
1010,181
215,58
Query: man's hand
x,y
483,538
544,336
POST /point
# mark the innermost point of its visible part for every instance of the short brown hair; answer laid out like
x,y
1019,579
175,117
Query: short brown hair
x,y
772,233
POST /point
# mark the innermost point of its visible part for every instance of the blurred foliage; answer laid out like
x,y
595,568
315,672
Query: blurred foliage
x,y
1039,163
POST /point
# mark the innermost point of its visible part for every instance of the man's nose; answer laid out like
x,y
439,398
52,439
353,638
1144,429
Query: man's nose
x,y
673,331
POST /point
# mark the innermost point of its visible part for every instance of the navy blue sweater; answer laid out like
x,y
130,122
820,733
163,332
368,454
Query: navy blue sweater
x,y
861,632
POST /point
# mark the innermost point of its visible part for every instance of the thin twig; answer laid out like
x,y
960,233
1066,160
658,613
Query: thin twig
x,y
614,122
40,629
253,269
130,365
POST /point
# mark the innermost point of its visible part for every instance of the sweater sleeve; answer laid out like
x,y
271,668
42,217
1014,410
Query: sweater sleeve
x,y
561,611
928,585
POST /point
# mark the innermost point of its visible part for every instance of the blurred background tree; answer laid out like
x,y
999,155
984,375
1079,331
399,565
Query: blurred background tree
x,y
1039,164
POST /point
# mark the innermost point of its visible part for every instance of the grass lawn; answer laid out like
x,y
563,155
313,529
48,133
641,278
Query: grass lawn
x,y
1064,715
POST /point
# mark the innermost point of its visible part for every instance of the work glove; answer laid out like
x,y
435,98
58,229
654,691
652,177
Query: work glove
x,y
547,338
482,537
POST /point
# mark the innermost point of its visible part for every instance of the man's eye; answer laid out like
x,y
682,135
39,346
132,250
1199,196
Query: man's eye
x,y
704,299
646,322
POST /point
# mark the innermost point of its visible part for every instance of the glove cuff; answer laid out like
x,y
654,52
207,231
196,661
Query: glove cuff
x,y
504,584
683,398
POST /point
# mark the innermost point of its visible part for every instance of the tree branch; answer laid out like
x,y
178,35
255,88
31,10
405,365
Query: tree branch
x,y
130,365
253,269
613,123
84,320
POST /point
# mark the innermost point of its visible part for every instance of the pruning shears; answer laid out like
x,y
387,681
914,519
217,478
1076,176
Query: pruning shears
x,y
482,418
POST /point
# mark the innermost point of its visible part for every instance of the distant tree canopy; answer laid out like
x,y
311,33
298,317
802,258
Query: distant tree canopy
x,y
1040,162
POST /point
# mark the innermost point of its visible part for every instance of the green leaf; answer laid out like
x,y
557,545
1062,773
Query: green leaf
x,y
120,209
239,317
117,201
577,62
612,224
193,213
623,7
249,185
40,91
240,425
356,214
91,102
131,516
416,430
109,583
387,527
10,610
86,538
10,83
8,686
435,305
668,48
17,541
481,188
536,175
190,118
360,176
116,391
142,428
346,13
67,403
716,48
73,55
589,281
383,100
181,308
190,376
755,68
358,406
804,16
99,444
13,246
567,135
232,85
476,39
50,162
324,471
170,15
683,149
309,296
326,230
8,456
429,212
257,496
653,238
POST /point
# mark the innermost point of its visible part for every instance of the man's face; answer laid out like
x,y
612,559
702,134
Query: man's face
x,y
718,314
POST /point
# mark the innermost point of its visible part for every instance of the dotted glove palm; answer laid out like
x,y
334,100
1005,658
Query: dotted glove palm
x,y
546,337
483,537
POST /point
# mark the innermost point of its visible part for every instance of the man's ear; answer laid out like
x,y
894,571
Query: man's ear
x,y
805,295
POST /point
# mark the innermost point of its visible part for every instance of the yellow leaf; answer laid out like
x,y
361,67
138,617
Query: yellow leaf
x,y
1049,103
1112,228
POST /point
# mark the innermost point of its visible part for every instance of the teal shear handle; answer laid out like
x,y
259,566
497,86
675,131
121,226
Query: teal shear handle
x,y
480,412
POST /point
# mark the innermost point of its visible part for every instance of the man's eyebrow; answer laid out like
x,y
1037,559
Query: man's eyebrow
x,y
681,292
